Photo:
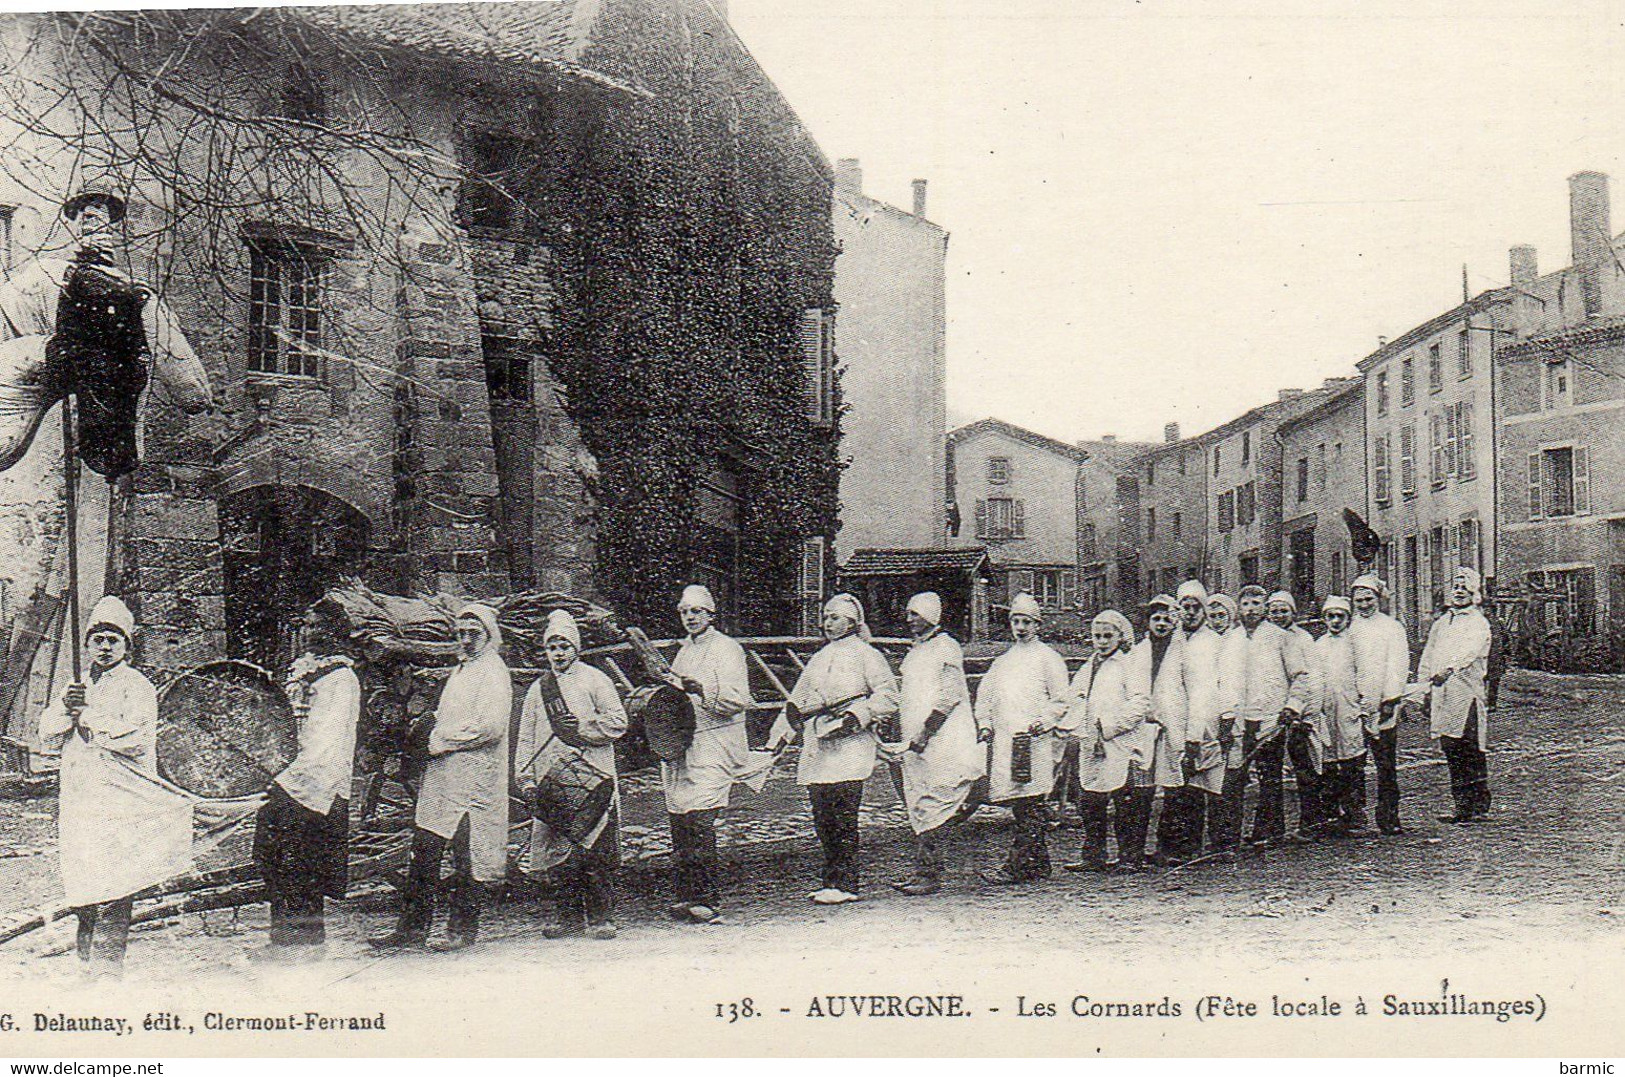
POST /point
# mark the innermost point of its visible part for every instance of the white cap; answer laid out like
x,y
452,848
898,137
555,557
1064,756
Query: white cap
x,y
111,612
560,625
928,606
1026,605
697,597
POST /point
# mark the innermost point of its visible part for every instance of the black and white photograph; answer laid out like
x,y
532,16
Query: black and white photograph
x,y
812,528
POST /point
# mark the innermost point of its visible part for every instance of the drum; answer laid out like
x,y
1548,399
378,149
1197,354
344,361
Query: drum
x,y
225,729
573,797
666,716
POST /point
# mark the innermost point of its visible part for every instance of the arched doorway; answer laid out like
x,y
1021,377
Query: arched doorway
x,y
282,547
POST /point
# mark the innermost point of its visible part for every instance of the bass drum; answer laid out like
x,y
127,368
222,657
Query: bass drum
x,y
225,729
665,715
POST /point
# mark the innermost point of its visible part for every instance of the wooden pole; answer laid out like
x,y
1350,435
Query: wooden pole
x,y
70,475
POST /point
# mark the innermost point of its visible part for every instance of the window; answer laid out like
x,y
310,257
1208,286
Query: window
x,y
1246,505
1382,392
1565,601
1170,580
817,336
1083,495
1227,511
1436,440
1464,354
1451,438
1466,462
998,470
1320,466
1412,583
1087,543
1054,588
1435,368
1092,594
1001,518
1303,478
1338,582
1557,388
1382,470
1559,483
811,585
507,369
1467,543
1178,527
1215,460
1151,473
719,509
1407,382
1246,447
1249,569
286,282
1151,525
1407,460
1181,458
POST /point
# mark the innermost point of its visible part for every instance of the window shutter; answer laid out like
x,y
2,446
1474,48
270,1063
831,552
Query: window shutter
x,y
981,517
1018,518
1582,481
1534,486
1436,435
811,584
1069,589
812,362
1466,466
1452,439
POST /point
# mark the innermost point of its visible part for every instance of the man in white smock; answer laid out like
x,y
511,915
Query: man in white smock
x,y
1188,808
1341,710
573,709
1451,675
711,668
107,722
1382,655
1306,739
463,802
1019,704
939,753
844,694
1110,705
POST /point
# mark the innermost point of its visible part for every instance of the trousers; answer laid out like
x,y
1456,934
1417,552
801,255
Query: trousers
x,y
1132,808
586,891
1311,784
423,883
104,932
694,856
1184,817
835,817
1029,849
1469,770
1384,751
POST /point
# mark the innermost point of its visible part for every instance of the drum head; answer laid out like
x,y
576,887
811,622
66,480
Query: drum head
x,y
668,719
225,729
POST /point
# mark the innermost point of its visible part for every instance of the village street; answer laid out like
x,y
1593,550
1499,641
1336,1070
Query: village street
x,y
1549,864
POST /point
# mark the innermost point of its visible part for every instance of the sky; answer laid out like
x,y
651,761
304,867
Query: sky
x,y
1164,213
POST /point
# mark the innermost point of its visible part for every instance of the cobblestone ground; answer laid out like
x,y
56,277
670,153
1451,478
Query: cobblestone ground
x,y
1549,863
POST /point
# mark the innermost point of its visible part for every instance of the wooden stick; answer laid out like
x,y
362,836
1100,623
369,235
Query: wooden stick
x,y
70,478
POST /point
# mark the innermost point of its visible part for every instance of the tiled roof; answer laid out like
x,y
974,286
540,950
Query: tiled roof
x,y
522,33
870,562
1018,433
1595,333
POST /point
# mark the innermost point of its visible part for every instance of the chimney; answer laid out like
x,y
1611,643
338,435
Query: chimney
x,y
849,175
1170,432
1590,233
1525,265
1109,439
919,198
1289,394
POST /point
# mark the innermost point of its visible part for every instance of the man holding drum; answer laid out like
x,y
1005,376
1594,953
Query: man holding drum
x,y
464,798
572,715
710,667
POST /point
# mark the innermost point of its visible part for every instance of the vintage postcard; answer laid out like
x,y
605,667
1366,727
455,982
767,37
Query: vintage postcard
x,y
812,527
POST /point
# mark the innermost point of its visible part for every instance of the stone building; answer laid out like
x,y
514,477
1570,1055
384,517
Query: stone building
x,y
492,296
1018,490
890,343
1172,490
1323,466
1109,534
1562,452
1432,409
1242,461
